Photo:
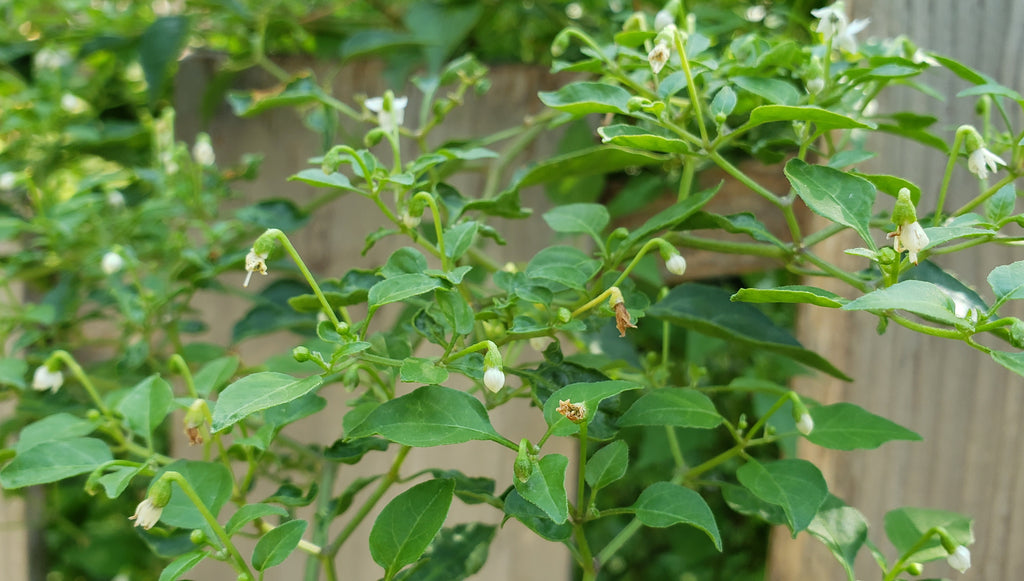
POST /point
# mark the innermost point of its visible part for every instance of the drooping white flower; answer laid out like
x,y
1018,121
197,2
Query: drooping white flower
x,y
388,118
202,150
676,264
910,237
146,514
658,56
73,104
112,262
662,19
833,24
494,379
8,180
44,379
960,559
805,424
254,262
982,161
115,199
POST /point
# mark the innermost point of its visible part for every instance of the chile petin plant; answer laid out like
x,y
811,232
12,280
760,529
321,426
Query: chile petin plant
x,y
671,99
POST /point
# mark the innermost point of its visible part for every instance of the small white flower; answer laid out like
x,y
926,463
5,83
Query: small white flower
x,y
44,379
146,514
409,220
8,180
833,24
676,264
52,59
910,237
388,120
115,199
202,151
254,262
921,57
112,262
960,559
658,56
982,161
494,379
805,424
574,11
73,104
662,19
815,85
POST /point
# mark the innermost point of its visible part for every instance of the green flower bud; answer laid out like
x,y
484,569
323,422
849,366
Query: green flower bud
x,y
197,536
904,212
265,243
301,354
373,137
332,160
560,44
160,492
915,568
523,466
1017,334
635,23
887,255
564,315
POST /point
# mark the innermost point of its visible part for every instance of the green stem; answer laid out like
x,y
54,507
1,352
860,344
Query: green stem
x,y
746,180
618,541
581,480
178,362
984,196
389,479
727,246
438,227
650,244
287,244
695,101
686,180
947,177
79,373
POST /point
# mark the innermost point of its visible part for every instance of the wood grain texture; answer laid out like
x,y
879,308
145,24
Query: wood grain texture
x,y
965,406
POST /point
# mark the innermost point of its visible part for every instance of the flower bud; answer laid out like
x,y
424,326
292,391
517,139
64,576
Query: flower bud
x,y
960,559
197,536
676,264
111,263
202,151
47,376
523,466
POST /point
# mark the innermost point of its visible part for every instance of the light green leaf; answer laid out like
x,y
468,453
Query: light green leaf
x,y
823,120
183,564
586,97
664,504
684,408
419,370
55,461
430,416
843,529
545,488
59,426
795,485
1012,361
215,374
317,177
638,138
146,405
724,102
251,512
563,265
116,481
276,544
774,91
839,196
459,238
13,371
401,287
845,426
608,464
914,296
212,483
597,160
579,218
790,294
906,526
407,525
258,392
1007,281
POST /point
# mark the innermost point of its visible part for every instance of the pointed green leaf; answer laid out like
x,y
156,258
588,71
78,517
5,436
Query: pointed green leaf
x,y
742,223
317,177
55,461
589,394
13,371
1007,281
585,97
459,238
419,370
724,102
401,287
1012,361
668,218
906,526
790,294
545,488
708,310
823,120
914,296
684,408
579,219
59,426
535,519
183,564
597,160
647,140
664,504
843,529
258,392
407,525
456,310
146,405
212,483
215,374
116,481
1000,206
563,265
775,91
251,512
607,464
276,544
430,416
159,48
456,553
839,196
845,426
795,485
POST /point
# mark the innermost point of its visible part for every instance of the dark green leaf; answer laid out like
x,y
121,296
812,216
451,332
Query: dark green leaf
x,y
458,239
563,265
545,488
823,120
215,374
607,464
399,288
183,564
159,48
407,525
839,196
535,519
352,452
211,482
845,426
664,504
116,481
430,416
258,392
795,485
146,405
914,296
456,553
276,544
586,97
774,91
54,461
684,408
59,426
596,160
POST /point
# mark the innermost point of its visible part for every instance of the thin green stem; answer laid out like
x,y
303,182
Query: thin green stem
x,y
665,247
79,373
947,177
222,535
287,244
178,362
746,180
438,227
695,101
984,196
618,541
686,180
386,482
581,481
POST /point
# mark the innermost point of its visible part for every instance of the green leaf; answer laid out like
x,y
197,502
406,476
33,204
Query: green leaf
x,y
59,426
258,392
843,529
407,525
589,394
891,185
724,102
774,91
459,238
183,564
823,120
708,310
212,483
668,218
13,371
664,504
608,464
597,160
1007,281
795,485
545,488
399,288
535,519
1012,361
352,452
215,374
301,90
456,310
563,265
419,370
1000,206
159,48
839,196
579,219
430,416
684,408
276,544
653,139
116,481
146,405
586,97
994,89
845,426
790,294
743,223
317,177
914,296
55,461
456,553
906,526
251,512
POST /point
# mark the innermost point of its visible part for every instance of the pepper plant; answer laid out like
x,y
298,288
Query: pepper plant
x,y
600,339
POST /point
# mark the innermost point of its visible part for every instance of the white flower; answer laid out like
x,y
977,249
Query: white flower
x,y
8,180
805,424
73,104
111,263
202,151
52,59
254,262
662,19
44,379
833,24
494,379
982,161
676,264
960,559
388,120
658,56
815,85
115,199
146,514
409,220
910,237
